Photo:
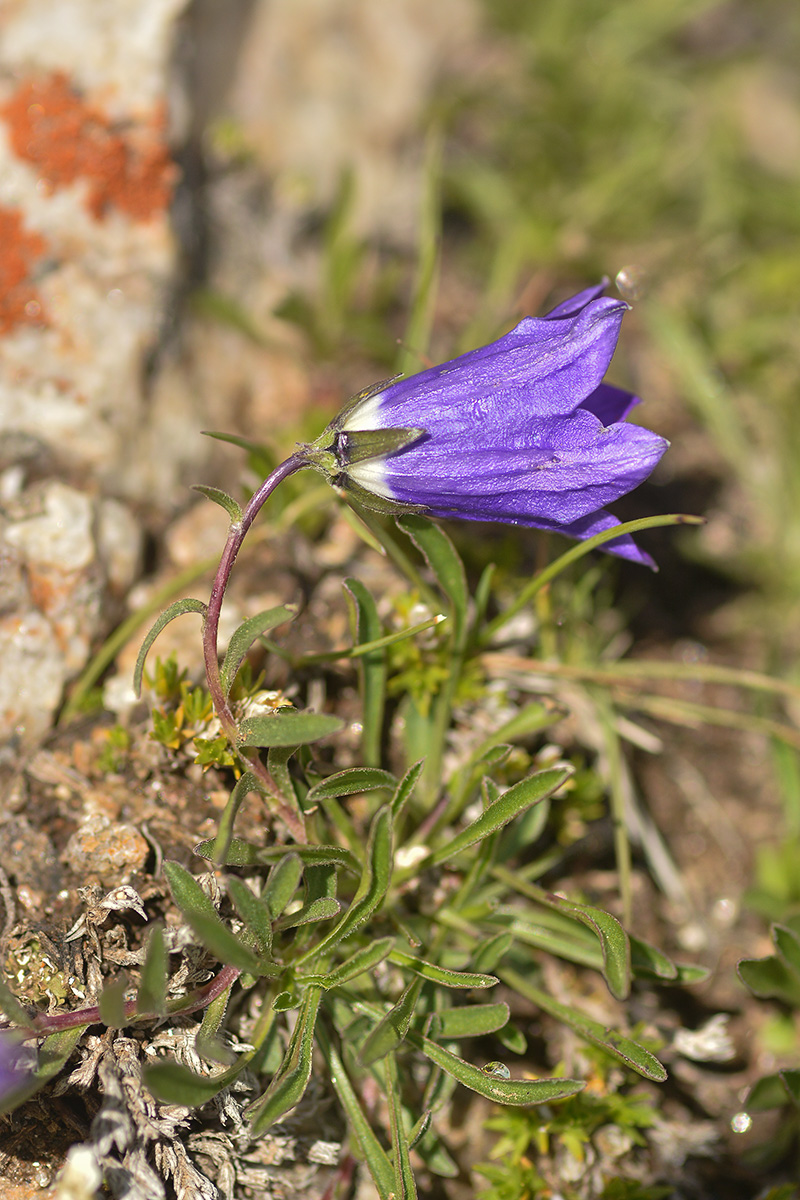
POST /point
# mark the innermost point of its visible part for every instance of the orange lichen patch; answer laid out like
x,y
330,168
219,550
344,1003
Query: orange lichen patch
x,y
67,138
20,248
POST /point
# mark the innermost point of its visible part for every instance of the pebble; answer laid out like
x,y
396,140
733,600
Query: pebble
x,y
106,851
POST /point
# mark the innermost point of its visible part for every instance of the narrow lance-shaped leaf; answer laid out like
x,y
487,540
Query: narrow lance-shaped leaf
x,y
206,923
472,1020
351,782
152,994
221,498
111,1003
392,1028
357,964
206,1042
405,789
253,911
519,1092
442,558
620,1047
282,884
404,1185
246,634
489,953
613,939
246,854
325,908
247,783
175,610
374,1154
287,729
173,1083
442,975
509,805
367,627
649,962
290,1083
278,759
372,887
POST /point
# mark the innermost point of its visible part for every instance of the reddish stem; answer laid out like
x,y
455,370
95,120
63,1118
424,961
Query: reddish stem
x,y
236,535
47,1023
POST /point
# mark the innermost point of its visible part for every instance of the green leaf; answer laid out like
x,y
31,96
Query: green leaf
x,y
284,1001
404,1186
247,783
554,933
288,1086
206,1042
246,854
489,953
787,944
244,637
509,805
225,501
373,1153
405,789
791,1081
111,1003
283,882
253,912
287,729
442,975
367,627
533,718
770,979
152,994
361,962
372,887
613,941
176,1084
278,759
472,1020
615,1044
648,962
351,782
689,973
203,919
177,609
392,1028
323,909
443,560
769,1092
501,1091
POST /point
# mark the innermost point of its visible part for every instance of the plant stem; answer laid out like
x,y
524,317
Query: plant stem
x,y
236,536
47,1023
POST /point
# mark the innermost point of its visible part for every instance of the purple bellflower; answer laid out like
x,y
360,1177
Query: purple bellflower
x,y
522,431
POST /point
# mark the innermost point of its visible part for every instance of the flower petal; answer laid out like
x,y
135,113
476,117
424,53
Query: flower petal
x,y
544,367
575,467
610,404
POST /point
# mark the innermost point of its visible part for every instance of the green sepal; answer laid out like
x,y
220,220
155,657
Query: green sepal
x,y
363,444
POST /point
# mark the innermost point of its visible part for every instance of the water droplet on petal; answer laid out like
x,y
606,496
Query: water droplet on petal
x,y
498,1070
632,282
741,1122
